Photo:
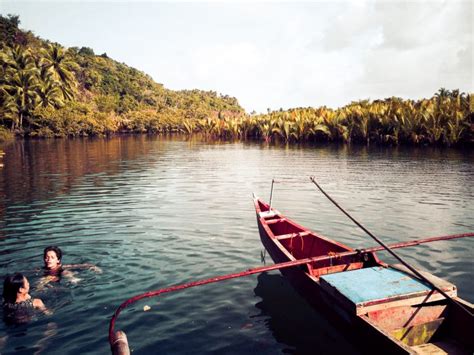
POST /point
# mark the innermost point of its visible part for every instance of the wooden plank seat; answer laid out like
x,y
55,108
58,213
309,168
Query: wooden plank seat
x,y
276,220
269,214
375,288
292,235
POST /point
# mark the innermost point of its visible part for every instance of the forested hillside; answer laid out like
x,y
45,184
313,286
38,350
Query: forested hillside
x,y
47,90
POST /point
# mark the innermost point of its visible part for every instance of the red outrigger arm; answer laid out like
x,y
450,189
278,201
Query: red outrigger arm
x,y
112,335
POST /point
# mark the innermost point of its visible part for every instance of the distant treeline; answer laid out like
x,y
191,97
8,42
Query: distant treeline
x,y
445,119
47,90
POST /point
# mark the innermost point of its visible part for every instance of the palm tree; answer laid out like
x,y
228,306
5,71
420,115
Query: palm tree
x,y
299,127
249,127
8,108
22,87
456,129
336,123
189,126
394,118
283,128
318,128
18,83
49,94
58,60
207,126
357,118
17,58
442,95
231,127
48,89
266,127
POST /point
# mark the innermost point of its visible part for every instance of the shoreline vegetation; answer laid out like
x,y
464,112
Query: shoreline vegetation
x,y
48,91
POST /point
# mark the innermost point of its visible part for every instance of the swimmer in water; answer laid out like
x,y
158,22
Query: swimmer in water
x,y
54,269
18,305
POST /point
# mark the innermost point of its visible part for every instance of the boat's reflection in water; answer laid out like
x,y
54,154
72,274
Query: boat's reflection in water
x,y
293,322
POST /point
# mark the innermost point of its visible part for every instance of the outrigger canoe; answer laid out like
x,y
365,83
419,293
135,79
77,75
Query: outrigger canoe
x,y
380,307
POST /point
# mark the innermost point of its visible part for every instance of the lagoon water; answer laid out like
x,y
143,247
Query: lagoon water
x,y
157,211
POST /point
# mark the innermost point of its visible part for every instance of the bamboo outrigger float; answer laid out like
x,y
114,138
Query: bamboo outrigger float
x,y
395,308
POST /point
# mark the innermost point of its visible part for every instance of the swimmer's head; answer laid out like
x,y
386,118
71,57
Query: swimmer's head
x,y
52,258
14,285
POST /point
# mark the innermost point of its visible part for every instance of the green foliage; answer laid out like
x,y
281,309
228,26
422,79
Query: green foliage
x,y
86,51
9,31
127,103
142,121
106,103
75,119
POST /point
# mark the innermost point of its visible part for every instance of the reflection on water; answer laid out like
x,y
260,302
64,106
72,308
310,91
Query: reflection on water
x,y
152,212
293,322
48,168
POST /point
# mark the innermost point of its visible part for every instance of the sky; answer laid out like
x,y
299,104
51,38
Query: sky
x,y
273,54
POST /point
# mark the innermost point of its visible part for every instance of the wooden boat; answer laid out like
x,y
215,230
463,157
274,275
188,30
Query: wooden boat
x,y
383,308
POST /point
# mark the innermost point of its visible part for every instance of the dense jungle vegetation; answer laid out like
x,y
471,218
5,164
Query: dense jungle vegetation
x,y
50,91
47,90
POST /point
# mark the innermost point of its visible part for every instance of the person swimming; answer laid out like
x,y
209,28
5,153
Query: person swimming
x,y
18,305
54,269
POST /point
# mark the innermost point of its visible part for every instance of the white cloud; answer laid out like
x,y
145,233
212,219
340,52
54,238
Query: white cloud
x,y
424,48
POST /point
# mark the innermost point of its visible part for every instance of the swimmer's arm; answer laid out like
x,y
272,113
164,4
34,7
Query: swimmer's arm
x,y
71,276
45,280
38,304
84,266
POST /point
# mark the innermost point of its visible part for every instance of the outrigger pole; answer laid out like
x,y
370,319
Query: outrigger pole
x,y
118,339
389,249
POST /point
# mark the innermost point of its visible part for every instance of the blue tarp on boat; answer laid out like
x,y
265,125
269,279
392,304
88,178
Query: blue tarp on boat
x,y
375,283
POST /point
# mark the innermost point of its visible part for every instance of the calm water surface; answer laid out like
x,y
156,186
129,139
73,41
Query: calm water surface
x,y
152,212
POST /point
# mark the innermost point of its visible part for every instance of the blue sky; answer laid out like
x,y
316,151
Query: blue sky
x,y
273,54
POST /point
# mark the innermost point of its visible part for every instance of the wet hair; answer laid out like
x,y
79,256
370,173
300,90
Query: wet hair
x,y
11,286
56,250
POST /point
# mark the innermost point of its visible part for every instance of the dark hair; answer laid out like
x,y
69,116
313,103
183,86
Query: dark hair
x,y
11,286
56,249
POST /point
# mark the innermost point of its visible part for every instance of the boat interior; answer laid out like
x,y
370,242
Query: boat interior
x,y
403,307
300,243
